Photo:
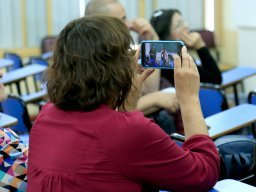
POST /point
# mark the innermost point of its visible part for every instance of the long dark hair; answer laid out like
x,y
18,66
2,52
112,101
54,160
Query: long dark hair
x,y
92,64
161,20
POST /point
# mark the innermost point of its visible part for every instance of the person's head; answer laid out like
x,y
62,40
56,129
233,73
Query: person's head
x,y
92,64
106,7
167,23
2,93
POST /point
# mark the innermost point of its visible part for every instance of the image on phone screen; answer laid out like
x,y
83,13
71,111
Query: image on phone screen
x,y
159,54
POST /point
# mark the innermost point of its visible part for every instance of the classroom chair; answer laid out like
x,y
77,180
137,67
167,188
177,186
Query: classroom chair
x,y
17,63
47,43
210,41
15,107
212,99
252,97
252,100
38,78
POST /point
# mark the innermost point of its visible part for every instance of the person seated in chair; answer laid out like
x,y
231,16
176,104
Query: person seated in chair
x,y
153,103
13,155
169,25
90,137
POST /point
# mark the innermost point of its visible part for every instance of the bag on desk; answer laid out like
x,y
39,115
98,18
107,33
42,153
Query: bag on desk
x,y
237,153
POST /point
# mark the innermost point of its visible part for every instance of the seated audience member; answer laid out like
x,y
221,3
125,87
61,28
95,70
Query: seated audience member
x,y
169,25
13,157
89,137
153,103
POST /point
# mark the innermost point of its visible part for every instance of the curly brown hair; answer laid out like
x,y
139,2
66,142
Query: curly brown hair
x,y
92,64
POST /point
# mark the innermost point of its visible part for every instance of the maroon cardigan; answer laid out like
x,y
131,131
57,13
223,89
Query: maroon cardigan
x,y
107,150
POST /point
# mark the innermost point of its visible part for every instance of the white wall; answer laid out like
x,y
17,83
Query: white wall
x,y
64,11
245,21
36,22
246,54
10,24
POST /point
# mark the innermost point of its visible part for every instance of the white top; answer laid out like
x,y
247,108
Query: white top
x,y
168,90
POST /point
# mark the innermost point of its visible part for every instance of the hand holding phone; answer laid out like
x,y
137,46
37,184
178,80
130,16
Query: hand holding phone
x,y
159,54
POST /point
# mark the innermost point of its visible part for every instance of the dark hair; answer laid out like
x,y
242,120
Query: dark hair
x,y
92,64
161,20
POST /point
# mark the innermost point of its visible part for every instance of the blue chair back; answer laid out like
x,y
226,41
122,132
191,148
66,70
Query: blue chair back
x,y
212,101
252,97
17,62
15,107
38,60
41,61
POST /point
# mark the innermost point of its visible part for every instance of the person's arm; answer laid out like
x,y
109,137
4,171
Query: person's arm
x,y
140,77
152,102
209,71
2,92
187,84
142,152
152,83
144,29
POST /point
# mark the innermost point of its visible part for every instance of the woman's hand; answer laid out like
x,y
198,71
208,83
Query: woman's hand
x,y
186,77
143,28
187,84
193,40
139,77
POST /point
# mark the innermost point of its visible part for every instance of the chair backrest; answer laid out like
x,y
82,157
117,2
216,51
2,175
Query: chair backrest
x,y
212,100
47,43
252,97
41,61
17,62
208,37
210,41
15,107
38,60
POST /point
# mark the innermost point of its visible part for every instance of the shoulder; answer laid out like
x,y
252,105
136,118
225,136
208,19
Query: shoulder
x,y
134,120
126,128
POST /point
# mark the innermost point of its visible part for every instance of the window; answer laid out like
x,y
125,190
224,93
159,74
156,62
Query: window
x,y
209,15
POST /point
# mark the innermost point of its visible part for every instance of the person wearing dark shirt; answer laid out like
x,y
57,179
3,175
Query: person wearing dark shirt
x,y
90,137
152,55
169,25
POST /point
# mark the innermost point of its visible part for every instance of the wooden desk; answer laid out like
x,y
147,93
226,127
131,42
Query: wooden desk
x,y
21,74
236,76
33,97
231,120
230,185
5,63
7,120
225,67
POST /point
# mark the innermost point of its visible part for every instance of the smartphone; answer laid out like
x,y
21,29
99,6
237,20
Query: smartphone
x,y
159,54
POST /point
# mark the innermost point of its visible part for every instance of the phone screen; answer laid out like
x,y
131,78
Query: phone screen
x,y
159,54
